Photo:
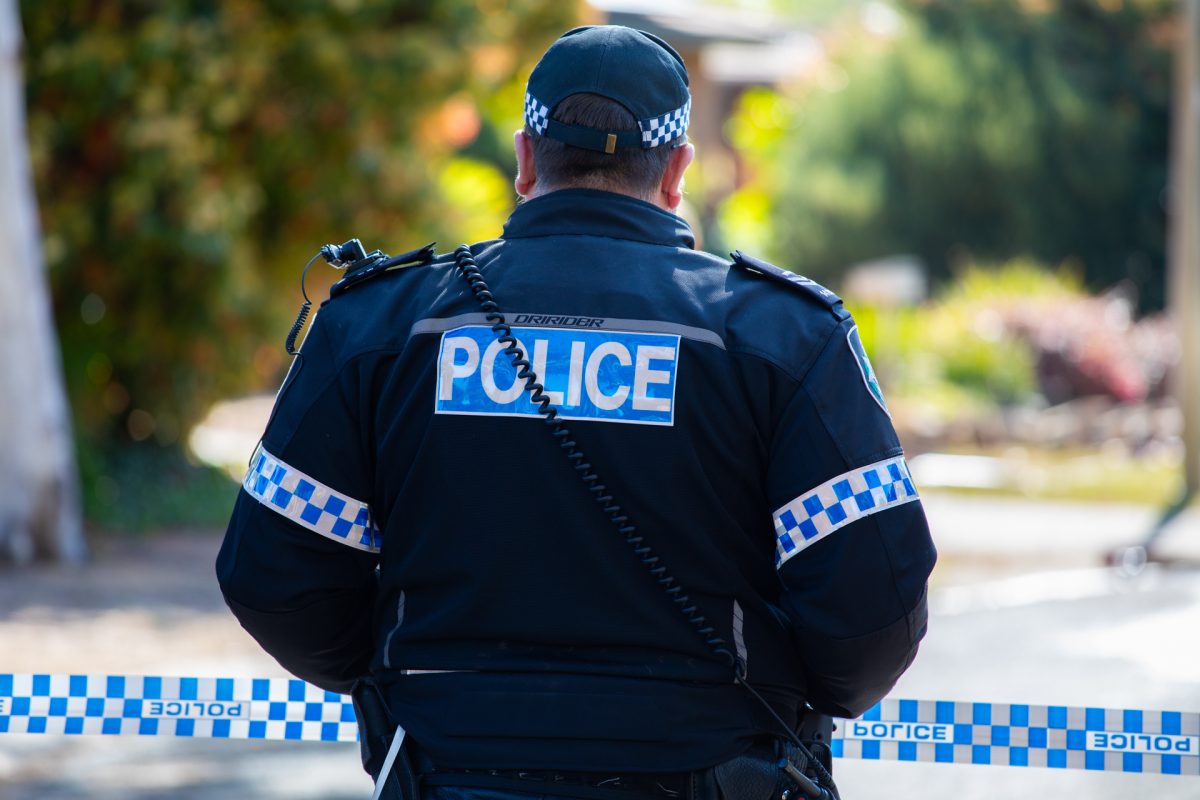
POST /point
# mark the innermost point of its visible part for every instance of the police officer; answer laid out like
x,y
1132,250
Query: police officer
x,y
514,588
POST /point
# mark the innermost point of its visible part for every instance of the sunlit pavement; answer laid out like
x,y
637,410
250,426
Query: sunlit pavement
x,y
1022,612
1057,628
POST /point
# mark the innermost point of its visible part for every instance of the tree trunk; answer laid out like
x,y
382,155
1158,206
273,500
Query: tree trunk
x,y
1183,283
39,486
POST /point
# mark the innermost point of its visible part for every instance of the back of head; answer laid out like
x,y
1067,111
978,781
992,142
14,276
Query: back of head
x,y
635,171
603,107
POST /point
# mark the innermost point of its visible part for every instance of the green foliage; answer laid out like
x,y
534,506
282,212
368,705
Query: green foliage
x,y
1002,370
966,328
988,129
190,156
960,351
141,487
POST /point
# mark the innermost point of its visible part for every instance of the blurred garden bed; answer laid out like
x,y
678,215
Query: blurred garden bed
x,y
1051,391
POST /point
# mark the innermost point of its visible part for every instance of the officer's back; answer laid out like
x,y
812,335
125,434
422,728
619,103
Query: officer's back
x,y
720,425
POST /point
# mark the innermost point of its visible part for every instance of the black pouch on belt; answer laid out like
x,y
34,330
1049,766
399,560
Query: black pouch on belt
x,y
754,775
771,772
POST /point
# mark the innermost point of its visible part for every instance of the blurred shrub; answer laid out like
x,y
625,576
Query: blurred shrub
x,y
1000,370
143,486
968,329
983,131
1017,333
1093,347
190,156
959,350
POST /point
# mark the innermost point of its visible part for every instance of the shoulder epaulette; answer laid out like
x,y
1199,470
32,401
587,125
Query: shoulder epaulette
x,y
413,258
797,282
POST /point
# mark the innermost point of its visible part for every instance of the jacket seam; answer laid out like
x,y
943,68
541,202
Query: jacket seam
x,y
335,374
797,376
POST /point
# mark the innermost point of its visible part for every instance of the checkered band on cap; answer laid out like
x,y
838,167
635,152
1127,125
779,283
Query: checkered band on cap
x,y
537,115
308,502
662,129
839,501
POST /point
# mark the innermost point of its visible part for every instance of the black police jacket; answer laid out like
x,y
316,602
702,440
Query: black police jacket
x,y
409,515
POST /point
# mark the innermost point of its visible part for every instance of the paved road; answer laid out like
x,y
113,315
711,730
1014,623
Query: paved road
x,y
1020,614
1068,638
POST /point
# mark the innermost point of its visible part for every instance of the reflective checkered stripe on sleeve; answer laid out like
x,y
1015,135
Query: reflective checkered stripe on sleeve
x,y
1002,734
209,708
839,501
308,502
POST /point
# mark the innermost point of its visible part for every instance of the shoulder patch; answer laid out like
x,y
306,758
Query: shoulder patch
x,y
864,366
413,258
798,282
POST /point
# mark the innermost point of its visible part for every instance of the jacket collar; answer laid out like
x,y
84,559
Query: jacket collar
x,y
589,212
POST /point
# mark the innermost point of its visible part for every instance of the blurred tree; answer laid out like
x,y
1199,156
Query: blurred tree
x,y
39,497
991,128
192,154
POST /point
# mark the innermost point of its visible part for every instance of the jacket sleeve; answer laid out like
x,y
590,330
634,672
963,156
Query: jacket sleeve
x,y
853,548
297,566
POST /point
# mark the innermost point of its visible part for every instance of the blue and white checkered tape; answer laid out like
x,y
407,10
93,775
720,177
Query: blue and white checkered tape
x,y
1003,734
215,708
943,732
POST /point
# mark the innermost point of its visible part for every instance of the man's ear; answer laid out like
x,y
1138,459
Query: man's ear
x,y
671,190
526,172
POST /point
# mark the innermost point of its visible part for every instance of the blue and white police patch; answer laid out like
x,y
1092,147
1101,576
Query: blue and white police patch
x,y
864,366
601,375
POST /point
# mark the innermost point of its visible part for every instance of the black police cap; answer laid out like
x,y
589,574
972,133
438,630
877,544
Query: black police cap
x,y
636,69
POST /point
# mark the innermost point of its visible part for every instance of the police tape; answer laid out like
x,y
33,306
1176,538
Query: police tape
x,y
941,732
1016,735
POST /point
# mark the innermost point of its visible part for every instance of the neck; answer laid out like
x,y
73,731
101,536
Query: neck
x,y
540,190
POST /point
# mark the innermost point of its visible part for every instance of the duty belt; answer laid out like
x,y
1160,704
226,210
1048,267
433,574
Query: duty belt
x,y
586,785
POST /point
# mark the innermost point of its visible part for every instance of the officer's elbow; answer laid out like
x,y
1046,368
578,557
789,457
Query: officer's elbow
x,y
848,676
326,644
